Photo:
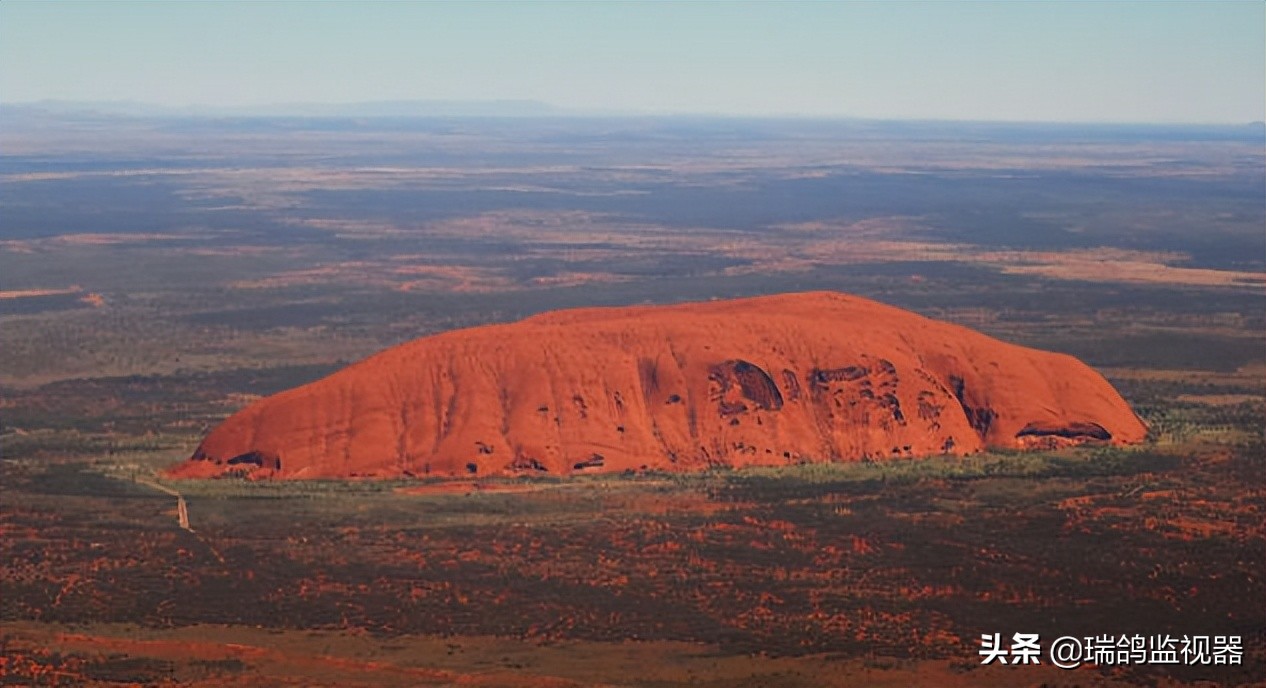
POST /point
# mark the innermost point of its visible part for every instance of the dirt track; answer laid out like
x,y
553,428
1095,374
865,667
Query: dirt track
x,y
182,509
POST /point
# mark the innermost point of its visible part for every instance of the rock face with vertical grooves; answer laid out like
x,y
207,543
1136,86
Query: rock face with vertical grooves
x,y
772,380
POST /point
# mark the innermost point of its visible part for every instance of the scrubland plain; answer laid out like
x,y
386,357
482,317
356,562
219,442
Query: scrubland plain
x,y
155,280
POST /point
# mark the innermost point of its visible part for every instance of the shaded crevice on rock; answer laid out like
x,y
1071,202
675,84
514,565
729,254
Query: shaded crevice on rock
x,y
980,418
648,376
929,410
821,377
893,404
1075,430
527,463
595,460
729,408
792,383
253,458
256,458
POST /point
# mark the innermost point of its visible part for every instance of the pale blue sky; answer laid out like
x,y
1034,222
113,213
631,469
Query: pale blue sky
x,y
1084,61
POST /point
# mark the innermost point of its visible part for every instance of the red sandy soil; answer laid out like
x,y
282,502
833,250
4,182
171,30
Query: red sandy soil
x,y
52,655
270,666
772,380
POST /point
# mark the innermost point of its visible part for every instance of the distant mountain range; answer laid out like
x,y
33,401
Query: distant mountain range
x,y
386,108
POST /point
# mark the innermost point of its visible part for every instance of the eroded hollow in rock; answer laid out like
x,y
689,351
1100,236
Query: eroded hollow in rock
x,y
257,458
754,384
1074,430
595,460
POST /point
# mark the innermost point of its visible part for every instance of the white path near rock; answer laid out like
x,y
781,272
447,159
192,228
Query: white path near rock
x,y
182,514
182,509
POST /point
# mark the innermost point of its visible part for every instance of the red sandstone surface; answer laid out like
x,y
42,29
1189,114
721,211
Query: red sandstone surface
x,y
772,380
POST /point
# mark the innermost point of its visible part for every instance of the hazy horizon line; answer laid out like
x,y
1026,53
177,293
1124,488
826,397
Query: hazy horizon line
x,y
527,109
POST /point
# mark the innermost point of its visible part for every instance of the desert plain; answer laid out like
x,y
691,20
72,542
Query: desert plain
x,y
158,280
